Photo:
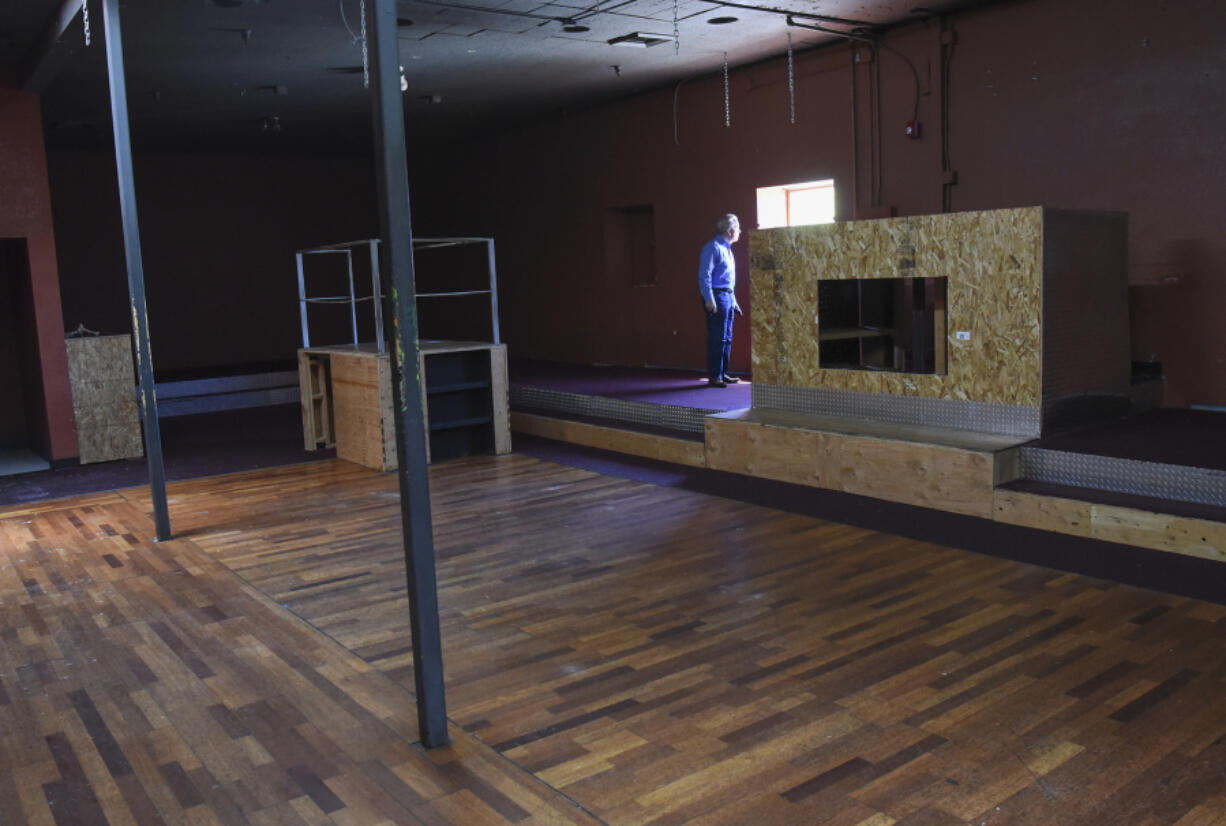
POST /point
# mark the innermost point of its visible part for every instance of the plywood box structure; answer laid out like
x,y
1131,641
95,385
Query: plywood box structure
x,y
346,395
1033,322
1036,317
103,384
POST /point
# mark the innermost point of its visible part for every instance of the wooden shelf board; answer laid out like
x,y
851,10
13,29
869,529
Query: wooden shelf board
x,y
455,387
843,333
452,424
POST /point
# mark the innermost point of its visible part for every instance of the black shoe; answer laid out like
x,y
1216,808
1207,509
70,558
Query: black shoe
x,y
716,383
731,379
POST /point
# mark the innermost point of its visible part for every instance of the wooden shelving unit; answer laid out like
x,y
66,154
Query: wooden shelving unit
x,y
347,401
346,390
313,378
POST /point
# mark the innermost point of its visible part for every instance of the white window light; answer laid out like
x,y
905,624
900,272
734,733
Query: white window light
x,y
790,205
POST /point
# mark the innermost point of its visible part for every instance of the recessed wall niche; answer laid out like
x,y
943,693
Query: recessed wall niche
x,y
630,245
890,324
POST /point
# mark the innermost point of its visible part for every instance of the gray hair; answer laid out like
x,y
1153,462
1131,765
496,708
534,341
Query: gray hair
x,y
725,221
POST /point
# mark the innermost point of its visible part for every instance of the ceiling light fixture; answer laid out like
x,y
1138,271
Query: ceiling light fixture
x,y
640,40
722,21
572,26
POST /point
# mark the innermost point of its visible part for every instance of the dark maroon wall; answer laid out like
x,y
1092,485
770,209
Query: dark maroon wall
x,y
1051,102
1074,104
25,213
218,236
551,185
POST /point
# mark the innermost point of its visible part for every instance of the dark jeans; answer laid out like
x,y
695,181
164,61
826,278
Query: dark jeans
x,y
719,335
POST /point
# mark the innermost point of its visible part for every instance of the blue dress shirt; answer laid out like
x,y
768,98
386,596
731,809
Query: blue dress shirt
x,y
716,268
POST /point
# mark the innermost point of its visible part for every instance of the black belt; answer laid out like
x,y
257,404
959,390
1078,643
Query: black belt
x,y
721,289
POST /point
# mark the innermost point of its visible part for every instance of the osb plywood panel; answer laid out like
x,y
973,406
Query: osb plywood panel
x,y
358,412
993,263
103,443
104,404
101,358
945,478
501,406
647,445
103,383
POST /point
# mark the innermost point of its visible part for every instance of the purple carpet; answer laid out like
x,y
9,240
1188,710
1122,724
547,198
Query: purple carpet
x,y
655,385
1194,438
208,444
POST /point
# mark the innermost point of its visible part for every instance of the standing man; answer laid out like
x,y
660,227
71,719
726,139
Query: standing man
x,y
716,285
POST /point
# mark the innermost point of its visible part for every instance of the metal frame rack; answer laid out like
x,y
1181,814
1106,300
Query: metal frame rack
x,y
352,300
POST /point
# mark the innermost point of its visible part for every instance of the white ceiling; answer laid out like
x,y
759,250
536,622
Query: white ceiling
x,y
208,73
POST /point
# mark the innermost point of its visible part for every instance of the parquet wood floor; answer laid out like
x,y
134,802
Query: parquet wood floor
x,y
654,655
144,683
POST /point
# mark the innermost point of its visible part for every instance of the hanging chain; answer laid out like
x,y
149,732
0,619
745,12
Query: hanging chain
x,y
676,31
791,81
727,108
365,60
85,19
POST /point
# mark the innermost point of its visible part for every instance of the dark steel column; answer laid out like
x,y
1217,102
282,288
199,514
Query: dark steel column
x,y
136,270
392,179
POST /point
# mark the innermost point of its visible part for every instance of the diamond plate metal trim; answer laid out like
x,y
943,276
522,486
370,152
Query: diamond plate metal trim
x,y
669,416
1161,481
1004,419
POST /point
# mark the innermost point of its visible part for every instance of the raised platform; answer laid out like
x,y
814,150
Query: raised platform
x,y
932,467
664,398
1153,481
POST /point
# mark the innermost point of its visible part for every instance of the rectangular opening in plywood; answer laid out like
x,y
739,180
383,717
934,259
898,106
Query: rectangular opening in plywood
x,y
888,324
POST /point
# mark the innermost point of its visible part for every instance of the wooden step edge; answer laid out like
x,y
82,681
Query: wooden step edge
x,y
1203,538
647,445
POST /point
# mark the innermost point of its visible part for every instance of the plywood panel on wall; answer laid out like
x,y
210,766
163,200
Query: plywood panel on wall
x,y
103,383
993,263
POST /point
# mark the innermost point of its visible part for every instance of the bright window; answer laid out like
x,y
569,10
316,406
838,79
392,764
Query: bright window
x,y
791,205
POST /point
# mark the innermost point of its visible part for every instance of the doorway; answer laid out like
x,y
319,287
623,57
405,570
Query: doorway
x,y
22,418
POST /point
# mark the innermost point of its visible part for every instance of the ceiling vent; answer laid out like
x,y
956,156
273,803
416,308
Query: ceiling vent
x,y
641,40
